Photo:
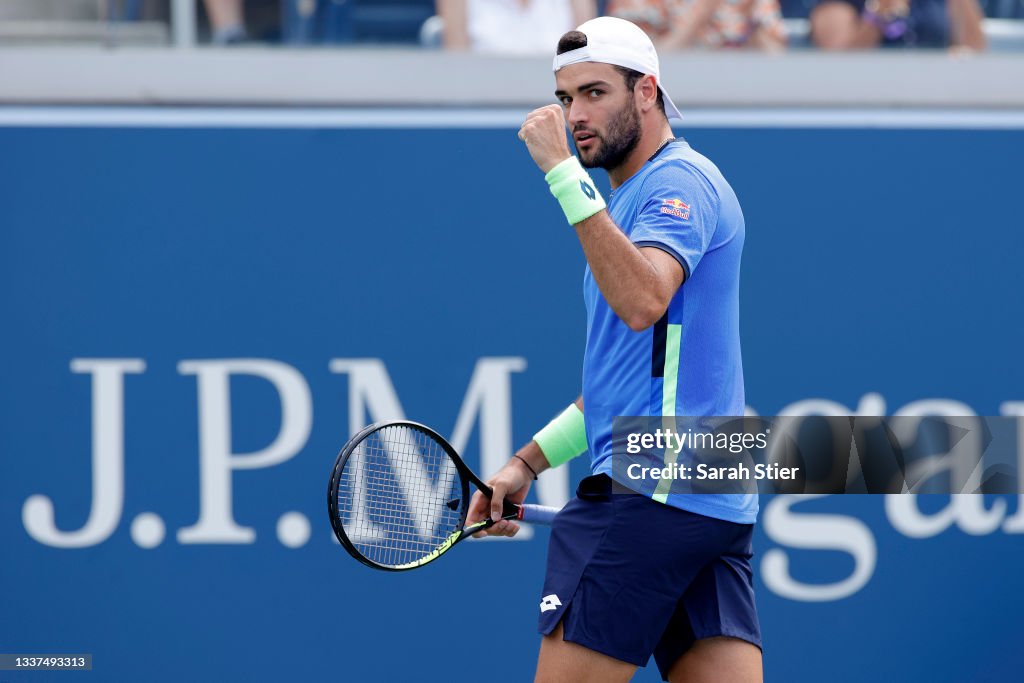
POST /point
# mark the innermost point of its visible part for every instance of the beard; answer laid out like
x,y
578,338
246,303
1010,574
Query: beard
x,y
614,146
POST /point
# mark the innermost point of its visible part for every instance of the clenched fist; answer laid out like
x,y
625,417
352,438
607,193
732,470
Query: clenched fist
x,y
543,131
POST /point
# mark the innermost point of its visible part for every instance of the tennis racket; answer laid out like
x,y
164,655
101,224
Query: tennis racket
x,y
399,497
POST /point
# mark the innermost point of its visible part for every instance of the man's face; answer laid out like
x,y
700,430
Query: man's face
x,y
600,111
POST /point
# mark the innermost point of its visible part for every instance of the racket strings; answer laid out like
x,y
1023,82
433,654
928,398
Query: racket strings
x,y
399,496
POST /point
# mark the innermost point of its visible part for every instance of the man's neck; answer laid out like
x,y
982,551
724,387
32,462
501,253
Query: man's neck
x,y
651,140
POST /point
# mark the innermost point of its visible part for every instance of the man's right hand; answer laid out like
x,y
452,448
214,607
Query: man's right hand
x,y
543,131
512,482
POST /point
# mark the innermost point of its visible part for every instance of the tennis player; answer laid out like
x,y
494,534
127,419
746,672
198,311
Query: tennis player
x,y
629,576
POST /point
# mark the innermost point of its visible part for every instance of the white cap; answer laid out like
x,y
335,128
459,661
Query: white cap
x,y
616,41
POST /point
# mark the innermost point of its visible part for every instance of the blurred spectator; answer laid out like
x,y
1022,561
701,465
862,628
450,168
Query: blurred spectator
x,y
304,22
226,21
511,26
679,24
860,24
123,10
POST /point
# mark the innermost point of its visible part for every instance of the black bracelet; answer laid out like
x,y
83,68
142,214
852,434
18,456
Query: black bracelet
x,y
523,460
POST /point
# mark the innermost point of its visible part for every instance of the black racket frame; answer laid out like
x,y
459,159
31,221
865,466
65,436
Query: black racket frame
x,y
467,477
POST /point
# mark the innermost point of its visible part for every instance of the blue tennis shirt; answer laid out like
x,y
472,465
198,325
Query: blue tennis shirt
x,y
689,362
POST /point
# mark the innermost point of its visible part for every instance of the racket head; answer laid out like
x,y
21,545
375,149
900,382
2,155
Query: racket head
x,y
399,495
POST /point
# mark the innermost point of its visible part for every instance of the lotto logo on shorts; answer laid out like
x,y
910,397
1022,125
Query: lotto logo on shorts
x,y
550,602
676,207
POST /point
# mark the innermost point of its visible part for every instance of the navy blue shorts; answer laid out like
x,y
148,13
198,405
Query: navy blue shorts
x,y
629,577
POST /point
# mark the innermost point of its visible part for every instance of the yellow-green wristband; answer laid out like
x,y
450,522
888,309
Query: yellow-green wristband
x,y
574,190
563,438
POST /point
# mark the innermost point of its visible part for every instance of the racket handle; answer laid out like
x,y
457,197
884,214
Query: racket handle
x,y
537,514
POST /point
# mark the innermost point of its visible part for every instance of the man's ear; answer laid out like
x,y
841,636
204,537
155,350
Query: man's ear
x,y
647,89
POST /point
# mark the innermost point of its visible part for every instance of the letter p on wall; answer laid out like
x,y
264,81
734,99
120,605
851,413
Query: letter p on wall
x,y
216,520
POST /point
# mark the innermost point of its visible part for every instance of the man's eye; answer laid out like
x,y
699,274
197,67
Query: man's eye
x,y
565,100
595,93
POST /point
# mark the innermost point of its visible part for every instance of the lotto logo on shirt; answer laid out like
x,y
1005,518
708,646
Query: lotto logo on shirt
x,y
676,207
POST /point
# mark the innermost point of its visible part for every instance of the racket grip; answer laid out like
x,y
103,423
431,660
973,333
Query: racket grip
x,y
537,514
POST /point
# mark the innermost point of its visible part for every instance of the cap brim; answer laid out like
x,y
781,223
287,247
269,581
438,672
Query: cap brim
x,y
671,110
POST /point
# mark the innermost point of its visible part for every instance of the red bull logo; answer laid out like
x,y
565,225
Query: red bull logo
x,y
676,207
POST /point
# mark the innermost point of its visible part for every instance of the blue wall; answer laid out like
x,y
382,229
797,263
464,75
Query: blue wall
x,y
877,262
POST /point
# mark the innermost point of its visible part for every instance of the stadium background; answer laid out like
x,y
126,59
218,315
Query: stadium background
x,y
339,265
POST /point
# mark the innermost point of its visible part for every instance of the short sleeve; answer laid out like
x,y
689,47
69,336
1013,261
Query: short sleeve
x,y
678,214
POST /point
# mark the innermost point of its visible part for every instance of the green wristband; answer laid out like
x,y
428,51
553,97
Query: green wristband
x,y
563,438
574,190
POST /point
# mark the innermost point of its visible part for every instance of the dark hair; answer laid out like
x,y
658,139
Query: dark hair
x,y
574,40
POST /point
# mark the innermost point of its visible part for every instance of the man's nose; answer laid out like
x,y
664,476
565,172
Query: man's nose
x,y
577,114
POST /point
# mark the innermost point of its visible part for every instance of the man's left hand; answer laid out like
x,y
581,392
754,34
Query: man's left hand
x,y
544,135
